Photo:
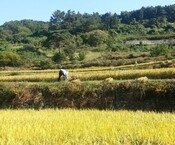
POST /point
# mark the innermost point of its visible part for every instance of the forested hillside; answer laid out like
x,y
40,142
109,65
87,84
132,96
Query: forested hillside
x,y
69,37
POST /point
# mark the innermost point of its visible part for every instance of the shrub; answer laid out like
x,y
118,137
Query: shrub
x,y
29,48
160,50
82,55
132,95
9,59
6,97
59,57
44,64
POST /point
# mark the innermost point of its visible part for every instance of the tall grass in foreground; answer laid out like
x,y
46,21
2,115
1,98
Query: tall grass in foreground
x,y
85,127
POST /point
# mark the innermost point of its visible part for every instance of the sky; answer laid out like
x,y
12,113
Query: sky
x,y
42,10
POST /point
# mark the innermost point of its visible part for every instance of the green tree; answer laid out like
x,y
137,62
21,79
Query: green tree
x,y
160,50
91,22
9,59
56,20
59,57
82,55
97,38
59,39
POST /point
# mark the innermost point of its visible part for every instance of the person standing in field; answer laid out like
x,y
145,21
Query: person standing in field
x,y
63,73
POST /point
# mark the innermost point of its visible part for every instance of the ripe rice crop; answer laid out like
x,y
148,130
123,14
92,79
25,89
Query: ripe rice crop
x,y
86,127
87,74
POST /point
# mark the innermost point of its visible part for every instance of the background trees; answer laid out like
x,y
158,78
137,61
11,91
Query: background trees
x,y
72,33
147,20
9,59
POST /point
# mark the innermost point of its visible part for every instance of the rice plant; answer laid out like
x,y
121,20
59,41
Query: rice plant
x,y
87,74
86,127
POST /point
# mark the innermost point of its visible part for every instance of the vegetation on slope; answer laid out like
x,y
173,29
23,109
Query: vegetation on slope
x,y
69,37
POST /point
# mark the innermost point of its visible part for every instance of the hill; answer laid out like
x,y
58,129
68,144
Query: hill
x,y
69,38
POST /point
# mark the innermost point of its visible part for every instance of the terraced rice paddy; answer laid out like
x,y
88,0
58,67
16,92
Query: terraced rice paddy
x,y
85,127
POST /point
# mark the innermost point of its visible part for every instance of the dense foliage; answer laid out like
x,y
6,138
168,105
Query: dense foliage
x,y
71,32
132,95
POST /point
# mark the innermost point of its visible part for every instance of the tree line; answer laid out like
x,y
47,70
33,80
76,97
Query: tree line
x,y
69,31
87,27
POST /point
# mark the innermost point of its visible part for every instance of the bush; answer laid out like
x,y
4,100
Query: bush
x,y
82,55
9,59
29,48
132,95
160,50
6,97
44,64
59,57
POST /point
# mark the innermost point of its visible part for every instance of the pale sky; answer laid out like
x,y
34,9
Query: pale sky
x,y
42,10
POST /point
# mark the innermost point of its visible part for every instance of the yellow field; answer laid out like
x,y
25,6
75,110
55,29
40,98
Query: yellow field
x,y
86,127
87,74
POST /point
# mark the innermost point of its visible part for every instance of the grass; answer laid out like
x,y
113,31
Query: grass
x,y
92,55
86,127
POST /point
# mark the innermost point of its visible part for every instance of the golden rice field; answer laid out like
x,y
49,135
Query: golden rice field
x,y
87,74
86,127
